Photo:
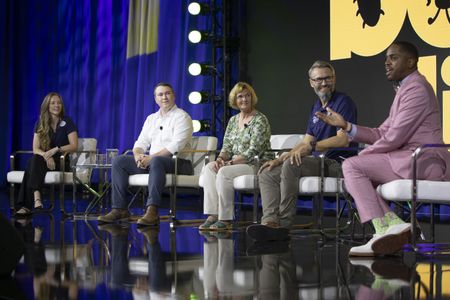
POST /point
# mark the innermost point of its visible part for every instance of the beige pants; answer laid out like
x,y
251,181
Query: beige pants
x,y
279,187
218,189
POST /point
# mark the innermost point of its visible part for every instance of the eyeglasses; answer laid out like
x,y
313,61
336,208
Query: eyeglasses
x,y
318,80
167,94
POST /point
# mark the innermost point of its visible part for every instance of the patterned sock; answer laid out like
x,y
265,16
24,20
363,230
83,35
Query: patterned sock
x,y
392,219
382,284
380,225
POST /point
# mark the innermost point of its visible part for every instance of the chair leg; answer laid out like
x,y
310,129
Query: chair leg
x,y
52,196
172,209
11,196
61,198
338,208
136,195
238,208
317,220
255,206
432,222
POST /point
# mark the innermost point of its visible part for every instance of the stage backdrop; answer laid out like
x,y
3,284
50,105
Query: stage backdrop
x,y
103,57
283,38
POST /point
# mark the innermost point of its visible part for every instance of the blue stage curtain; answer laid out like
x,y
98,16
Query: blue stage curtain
x,y
79,49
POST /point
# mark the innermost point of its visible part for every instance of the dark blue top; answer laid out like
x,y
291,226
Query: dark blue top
x,y
342,104
61,136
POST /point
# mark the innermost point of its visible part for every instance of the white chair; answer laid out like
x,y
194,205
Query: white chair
x,y
417,191
249,183
86,146
202,146
318,187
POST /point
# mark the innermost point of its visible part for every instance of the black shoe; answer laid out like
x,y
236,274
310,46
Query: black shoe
x,y
23,221
23,212
263,233
273,247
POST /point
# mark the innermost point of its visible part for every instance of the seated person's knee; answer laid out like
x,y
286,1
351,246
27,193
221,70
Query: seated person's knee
x,y
119,160
347,165
156,162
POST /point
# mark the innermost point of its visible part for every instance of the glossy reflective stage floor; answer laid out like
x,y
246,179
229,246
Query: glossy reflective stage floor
x,y
78,259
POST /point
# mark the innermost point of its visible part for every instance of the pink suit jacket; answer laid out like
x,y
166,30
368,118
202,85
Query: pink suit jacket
x,y
414,119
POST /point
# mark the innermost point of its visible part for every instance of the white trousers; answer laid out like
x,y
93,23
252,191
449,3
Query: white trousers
x,y
218,189
218,263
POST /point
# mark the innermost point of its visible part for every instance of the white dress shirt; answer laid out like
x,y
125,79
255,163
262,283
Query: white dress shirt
x,y
173,131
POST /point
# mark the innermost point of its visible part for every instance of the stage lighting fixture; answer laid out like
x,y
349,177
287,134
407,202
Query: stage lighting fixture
x,y
198,97
196,69
196,36
200,125
195,8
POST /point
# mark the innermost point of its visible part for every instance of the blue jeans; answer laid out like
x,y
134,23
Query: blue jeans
x,y
157,279
123,166
120,271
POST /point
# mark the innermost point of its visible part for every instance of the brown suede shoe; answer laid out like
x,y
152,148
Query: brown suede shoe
x,y
114,229
114,215
151,217
150,234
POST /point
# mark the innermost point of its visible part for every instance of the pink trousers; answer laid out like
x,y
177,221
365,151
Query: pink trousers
x,y
363,173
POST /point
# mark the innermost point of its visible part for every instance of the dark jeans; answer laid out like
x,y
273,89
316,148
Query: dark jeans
x,y
157,275
123,166
119,261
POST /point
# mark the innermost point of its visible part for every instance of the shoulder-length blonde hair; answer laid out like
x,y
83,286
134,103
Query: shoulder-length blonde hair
x,y
238,88
45,120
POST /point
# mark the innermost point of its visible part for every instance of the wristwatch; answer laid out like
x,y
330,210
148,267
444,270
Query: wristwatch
x,y
313,145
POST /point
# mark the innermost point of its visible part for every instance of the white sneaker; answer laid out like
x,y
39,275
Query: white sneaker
x,y
365,250
362,262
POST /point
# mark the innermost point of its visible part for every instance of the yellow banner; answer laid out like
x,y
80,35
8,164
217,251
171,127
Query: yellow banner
x,y
143,18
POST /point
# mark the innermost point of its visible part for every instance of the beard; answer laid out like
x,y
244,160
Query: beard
x,y
325,96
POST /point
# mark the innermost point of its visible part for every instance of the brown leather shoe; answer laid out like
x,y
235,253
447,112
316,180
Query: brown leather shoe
x,y
151,217
114,215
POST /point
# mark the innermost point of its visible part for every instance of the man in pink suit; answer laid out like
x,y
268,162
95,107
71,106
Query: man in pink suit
x,y
414,119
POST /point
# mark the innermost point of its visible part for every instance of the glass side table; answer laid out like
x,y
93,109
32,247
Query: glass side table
x,y
104,185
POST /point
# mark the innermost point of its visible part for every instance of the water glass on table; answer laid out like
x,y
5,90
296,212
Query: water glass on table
x,y
110,155
101,159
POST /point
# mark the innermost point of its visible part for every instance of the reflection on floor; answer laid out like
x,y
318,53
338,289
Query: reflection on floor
x,y
80,259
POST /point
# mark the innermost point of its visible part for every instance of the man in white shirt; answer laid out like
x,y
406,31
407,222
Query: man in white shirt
x,y
165,132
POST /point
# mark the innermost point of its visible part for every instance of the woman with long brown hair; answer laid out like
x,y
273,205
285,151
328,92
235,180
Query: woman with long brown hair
x,y
54,134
